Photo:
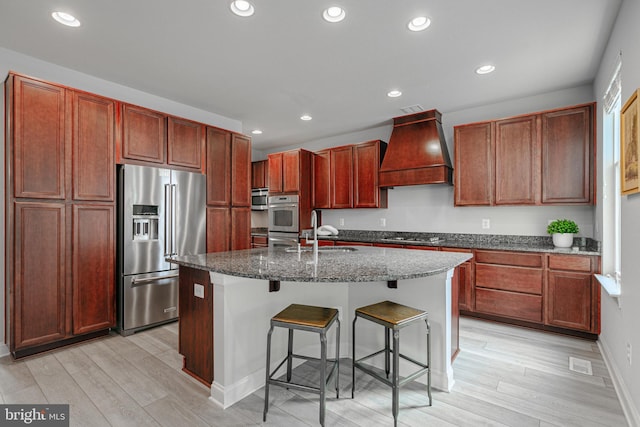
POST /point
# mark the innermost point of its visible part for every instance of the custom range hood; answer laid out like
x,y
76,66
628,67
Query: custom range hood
x,y
417,152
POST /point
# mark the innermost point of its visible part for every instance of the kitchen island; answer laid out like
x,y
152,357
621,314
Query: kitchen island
x,y
246,288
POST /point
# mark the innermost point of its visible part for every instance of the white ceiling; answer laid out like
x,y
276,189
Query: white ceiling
x,y
269,69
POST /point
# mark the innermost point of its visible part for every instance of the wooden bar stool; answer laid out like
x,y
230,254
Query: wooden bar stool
x,y
393,317
312,319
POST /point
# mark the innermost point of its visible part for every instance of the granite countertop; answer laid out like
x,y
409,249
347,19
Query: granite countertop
x,y
364,264
582,246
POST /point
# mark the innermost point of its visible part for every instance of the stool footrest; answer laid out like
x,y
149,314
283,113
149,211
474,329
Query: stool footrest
x,y
330,374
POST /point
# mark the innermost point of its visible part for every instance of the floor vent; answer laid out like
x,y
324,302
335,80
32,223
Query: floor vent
x,y
412,109
580,365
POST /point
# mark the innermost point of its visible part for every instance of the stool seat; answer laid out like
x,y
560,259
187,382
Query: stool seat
x,y
390,314
393,317
308,318
306,315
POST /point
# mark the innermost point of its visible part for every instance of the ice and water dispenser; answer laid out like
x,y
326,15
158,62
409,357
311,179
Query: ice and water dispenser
x,y
145,222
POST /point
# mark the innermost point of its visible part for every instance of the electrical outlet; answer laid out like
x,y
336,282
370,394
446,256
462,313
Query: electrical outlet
x,y
383,222
486,223
629,348
198,290
341,222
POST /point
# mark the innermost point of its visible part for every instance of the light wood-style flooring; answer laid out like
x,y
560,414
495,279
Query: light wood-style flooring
x,y
505,376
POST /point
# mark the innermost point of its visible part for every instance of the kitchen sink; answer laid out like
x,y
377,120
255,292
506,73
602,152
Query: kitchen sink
x,y
293,249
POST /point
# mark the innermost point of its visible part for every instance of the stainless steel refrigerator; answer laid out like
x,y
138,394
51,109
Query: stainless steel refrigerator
x,y
161,213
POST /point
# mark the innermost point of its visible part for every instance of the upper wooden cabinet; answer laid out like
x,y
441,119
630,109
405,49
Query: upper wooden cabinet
x,y
517,161
341,167
347,176
289,171
38,129
144,134
185,143
473,164
367,158
218,167
93,147
260,174
567,134
544,158
240,171
152,137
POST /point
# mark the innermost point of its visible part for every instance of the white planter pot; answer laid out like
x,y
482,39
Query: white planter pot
x,y
562,240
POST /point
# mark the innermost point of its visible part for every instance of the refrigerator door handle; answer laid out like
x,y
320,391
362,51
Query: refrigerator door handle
x,y
173,220
168,226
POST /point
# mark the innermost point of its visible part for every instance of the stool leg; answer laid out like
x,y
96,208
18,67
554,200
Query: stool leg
x,y
338,359
428,360
396,375
353,354
268,375
289,353
386,351
323,374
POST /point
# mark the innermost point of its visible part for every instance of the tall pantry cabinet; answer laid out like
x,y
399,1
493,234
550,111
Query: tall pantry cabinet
x,y
60,225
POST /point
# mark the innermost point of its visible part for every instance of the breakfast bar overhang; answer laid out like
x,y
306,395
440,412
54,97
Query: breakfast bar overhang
x,y
244,296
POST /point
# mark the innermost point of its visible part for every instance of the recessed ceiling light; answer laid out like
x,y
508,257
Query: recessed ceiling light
x,y
66,19
394,93
256,132
242,8
333,14
419,23
485,69
305,117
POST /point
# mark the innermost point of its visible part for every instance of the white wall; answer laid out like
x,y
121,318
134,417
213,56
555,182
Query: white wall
x,y
13,61
429,208
619,324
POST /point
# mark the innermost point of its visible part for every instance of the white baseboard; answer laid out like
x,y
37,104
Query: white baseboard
x,y
4,350
628,406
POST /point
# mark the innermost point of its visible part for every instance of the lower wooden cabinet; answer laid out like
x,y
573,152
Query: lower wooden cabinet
x,y
465,281
195,341
260,241
63,281
228,229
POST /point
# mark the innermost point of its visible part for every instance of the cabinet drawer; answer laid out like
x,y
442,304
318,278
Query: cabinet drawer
x,y
516,279
509,258
570,262
259,240
509,304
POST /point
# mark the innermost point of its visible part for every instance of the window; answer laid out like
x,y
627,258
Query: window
x,y
611,230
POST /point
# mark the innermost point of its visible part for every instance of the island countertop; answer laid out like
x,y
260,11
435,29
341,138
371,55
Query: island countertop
x,y
363,264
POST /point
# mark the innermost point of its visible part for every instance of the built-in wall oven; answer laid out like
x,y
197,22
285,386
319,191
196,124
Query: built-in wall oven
x,y
283,220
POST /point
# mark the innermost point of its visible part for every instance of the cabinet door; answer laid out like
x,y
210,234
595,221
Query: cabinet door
x,y
517,161
465,281
259,172
567,156
93,268
342,177
240,228
144,134
39,139
240,171
473,168
291,171
196,324
366,164
93,147
275,173
218,229
568,300
185,143
39,289
218,163
322,179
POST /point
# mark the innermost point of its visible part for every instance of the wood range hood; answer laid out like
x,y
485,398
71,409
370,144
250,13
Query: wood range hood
x,y
417,152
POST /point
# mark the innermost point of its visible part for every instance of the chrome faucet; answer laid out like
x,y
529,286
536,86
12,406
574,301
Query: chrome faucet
x,y
314,224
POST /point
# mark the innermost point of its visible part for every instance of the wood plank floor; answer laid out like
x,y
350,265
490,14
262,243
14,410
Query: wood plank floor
x,y
505,376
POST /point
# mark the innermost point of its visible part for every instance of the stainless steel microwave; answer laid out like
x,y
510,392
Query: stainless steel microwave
x,y
259,200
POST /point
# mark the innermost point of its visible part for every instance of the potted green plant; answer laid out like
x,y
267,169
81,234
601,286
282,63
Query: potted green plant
x,y
562,231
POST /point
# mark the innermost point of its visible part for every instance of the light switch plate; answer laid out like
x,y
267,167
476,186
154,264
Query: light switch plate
x,y
198,290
